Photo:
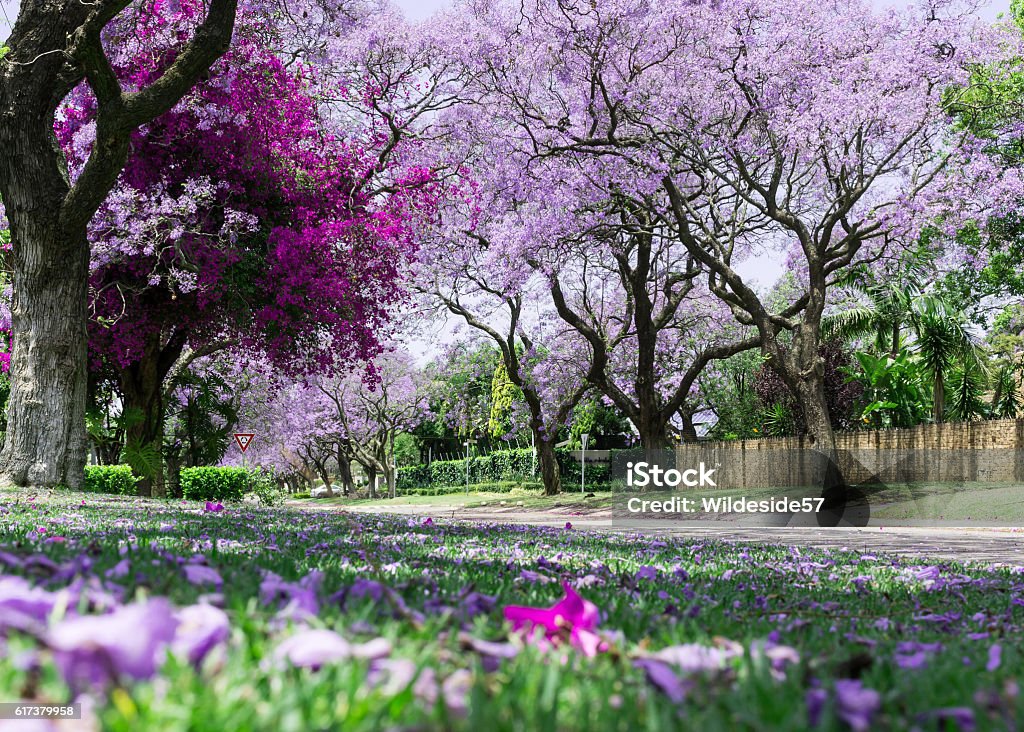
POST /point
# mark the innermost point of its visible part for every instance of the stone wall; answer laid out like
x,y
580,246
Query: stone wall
x,y
990,451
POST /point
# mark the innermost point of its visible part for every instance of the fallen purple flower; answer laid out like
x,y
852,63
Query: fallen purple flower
x,y
201,628
995,657
97,649
198,574
315,647
22,605
855,704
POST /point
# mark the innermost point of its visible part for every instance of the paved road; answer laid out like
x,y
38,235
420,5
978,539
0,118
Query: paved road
x,y
990,546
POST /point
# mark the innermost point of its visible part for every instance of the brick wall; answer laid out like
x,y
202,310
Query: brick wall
x,y
983,451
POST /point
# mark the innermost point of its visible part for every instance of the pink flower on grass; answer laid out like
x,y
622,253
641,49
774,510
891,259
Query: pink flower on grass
x,y
214,507
572,618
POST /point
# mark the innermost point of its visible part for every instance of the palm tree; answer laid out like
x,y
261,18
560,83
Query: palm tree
x,y
941,338
1006,401
943,343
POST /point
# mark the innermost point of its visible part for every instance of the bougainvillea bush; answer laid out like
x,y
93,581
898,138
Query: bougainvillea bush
x,y
245,618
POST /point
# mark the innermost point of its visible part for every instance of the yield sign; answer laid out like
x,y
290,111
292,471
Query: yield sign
x,y
243,439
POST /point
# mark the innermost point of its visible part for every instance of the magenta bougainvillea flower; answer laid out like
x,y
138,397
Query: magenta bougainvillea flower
x,y
571,619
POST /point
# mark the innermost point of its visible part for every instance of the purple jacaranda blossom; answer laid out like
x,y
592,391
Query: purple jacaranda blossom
x,y
815,700
855,704
568,526
661,676
213,507
23,606
120,569
995,657
428,521
201,628
491,652
779,656
646,573
129,642
572,616
313,648
476,603
962,717
692,658
298,598
198,574
916,660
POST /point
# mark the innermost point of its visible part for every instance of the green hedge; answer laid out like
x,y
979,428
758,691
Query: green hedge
x,y
214,484
498,467
116,479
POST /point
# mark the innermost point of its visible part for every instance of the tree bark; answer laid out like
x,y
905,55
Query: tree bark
x,y
939,397
550,473
345,473
46,440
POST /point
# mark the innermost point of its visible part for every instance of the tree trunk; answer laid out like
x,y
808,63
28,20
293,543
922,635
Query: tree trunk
x,y
549,471
46,440
689,430
371,477
142,389
939,397
345,473
173,476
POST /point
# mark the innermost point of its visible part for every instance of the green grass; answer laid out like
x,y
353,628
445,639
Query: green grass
x,y
844,613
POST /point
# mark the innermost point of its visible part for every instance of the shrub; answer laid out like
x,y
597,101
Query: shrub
x,y
498,467
116,479
263,486
214,484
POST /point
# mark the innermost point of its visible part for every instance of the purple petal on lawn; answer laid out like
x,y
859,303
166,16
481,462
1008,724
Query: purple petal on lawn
x,y
962,717
855,704
696,658
815,700
915,660
119,570
661,676
477,603
455,692
22,605
128,642
199,575
316,647
646,572
995,657
201,628
392,674
491,652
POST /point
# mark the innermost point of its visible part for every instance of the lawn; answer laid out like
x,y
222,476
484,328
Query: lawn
x,y
168,616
